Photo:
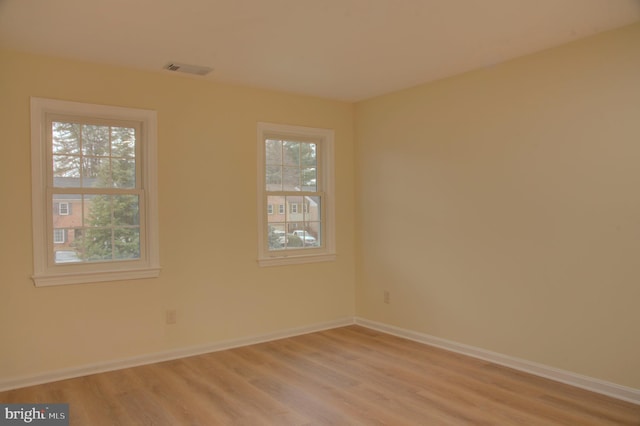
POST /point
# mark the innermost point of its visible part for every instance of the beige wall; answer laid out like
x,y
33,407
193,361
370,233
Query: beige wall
x,y
501,208
208,224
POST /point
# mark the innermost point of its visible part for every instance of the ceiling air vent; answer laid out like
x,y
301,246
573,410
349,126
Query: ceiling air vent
x,y
188,69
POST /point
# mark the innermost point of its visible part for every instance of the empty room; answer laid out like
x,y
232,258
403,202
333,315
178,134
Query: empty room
x,y
342,212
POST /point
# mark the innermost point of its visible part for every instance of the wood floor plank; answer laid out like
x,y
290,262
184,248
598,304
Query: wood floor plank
x,y
441,393
345,376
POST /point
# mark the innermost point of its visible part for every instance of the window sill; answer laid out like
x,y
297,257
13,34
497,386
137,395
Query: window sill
x,y
295,260
46,280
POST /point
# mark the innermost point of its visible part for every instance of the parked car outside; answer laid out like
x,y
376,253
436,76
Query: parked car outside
x,y
66,256
290,240
309,241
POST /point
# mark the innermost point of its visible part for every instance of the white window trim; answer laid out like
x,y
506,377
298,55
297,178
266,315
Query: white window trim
x,y
46,273
328,251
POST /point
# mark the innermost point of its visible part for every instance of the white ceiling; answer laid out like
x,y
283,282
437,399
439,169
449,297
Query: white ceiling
x,y
341,49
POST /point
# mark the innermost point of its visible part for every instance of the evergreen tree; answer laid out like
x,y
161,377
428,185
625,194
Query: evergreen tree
x,y
112,227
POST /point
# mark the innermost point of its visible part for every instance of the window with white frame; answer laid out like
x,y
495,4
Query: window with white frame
x,y
270,209
59,235
103,158
295,168
63,209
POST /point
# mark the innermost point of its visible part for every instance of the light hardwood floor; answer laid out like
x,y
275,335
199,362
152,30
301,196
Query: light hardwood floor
x,y
345,376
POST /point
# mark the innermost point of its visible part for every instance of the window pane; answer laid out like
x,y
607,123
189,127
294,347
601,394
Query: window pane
x,y
96,172
313,208
276,236
65,227
308,154
66,171
98,244
67,218
123,142
309,181
124,173
126,243
273,152
126,210
278,214
95,140
294,209
291,153
291,179
98,210
313,230
313,220
274,178
66,138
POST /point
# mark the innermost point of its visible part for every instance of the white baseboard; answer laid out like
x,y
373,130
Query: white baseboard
x,y
595,385
101,367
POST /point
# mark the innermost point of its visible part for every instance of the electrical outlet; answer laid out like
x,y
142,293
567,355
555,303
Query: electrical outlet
x,y
171,316
387,297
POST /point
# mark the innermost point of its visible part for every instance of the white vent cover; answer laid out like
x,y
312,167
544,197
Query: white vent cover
x,y
188,69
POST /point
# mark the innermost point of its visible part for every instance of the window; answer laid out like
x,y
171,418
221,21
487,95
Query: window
x,y
102,161
59,235
63,209
296,173
270,209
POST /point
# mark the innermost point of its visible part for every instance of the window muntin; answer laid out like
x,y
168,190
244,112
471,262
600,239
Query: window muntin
x,y
100,162
296,174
